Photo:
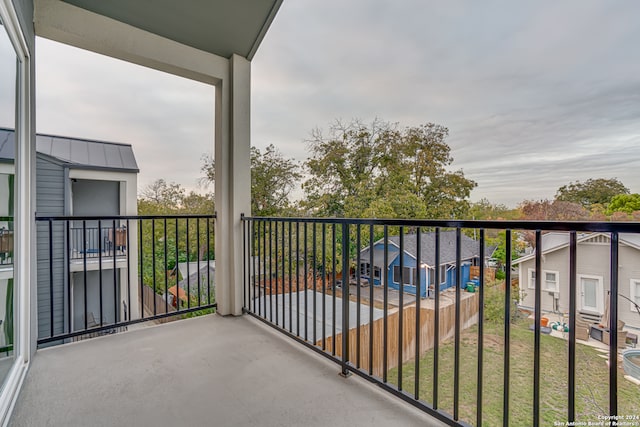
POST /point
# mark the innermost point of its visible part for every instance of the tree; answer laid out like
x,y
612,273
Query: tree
x,y
592,191
273,177
624,203
556,210
360,170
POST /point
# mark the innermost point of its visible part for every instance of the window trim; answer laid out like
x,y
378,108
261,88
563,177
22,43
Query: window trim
x,y
531,279
633,284
599,291
557,281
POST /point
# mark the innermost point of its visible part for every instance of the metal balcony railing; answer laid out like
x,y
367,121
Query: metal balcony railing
x,y
310,279
98,275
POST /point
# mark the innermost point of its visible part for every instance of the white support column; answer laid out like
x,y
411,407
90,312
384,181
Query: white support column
x,y
233,182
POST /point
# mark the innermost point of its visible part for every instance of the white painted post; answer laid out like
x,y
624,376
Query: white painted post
x,y
233,182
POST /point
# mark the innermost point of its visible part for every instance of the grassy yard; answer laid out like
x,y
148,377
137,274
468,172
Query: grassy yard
x,y
591,379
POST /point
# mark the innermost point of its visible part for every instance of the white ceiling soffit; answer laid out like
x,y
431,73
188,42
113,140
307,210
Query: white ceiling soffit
x,y
220,27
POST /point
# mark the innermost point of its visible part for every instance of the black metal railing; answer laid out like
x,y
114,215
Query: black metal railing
x,y
98,275
96,242
439,350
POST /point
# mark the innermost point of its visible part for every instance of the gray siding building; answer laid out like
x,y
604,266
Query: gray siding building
x,y
81,178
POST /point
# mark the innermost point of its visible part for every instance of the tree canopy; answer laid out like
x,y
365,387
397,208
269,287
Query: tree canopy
x,y
591,191
378,170
273,177
627,203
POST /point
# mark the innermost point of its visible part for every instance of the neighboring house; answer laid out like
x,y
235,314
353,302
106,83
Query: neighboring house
x,y
470,253
593,275
192,281
82,178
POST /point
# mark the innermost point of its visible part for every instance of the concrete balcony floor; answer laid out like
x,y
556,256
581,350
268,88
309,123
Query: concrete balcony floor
x,y
210,370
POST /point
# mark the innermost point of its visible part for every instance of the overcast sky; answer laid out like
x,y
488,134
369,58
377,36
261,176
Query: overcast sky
x,y
534,94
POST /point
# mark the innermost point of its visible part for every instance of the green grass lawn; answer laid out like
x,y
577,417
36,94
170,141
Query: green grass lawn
x,y
591,379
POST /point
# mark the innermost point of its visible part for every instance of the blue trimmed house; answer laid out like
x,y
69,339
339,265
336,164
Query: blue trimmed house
x,y
470,255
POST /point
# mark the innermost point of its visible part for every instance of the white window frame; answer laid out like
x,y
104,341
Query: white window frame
x,y
365,269
599,291
24,252
411,273
633,283
531,278
556,289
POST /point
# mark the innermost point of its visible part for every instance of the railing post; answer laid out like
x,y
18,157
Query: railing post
x,y
345,300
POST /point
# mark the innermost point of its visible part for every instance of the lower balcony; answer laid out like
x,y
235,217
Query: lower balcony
x,y
210,370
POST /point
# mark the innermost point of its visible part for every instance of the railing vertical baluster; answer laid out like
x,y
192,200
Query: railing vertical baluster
x,y
357,274
573,239
271,275
250,224
177,269
84,262
456,349
188,249
345,299
68,287
100,248
313,278
324,286
290,277
298,310
613,327
50,223
256,272
480,357
264,270
371,298
400,306
128,273
141,274
153,263
507,329
198,256
284,259
536,329
436,317
275,244
306,285
416,375
166,275
115,278
333,288
385,306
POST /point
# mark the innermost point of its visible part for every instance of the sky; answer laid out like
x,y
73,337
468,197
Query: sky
x,y
534,94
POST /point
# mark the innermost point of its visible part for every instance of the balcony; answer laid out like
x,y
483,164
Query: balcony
x,y
477,352
210,370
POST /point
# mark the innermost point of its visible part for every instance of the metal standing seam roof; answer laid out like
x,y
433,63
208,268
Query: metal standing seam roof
x,y
76,152
470,248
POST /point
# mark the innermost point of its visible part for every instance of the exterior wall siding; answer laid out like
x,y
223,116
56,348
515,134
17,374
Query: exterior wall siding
x,y
50,201
593,259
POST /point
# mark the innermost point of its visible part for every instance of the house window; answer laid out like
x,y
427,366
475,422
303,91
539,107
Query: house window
x,y
364,269
443,274
551,281
376,272
635,293
407,276
531,284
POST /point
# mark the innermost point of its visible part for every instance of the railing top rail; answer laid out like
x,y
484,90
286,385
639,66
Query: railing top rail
x,y
118,217
586,226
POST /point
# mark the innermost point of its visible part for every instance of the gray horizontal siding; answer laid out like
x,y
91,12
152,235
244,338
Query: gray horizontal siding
x,y
50,182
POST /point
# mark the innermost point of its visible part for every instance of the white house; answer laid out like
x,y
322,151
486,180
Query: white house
x,y
593,275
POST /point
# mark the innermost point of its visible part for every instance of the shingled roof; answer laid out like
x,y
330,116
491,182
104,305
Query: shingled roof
x,y
469,249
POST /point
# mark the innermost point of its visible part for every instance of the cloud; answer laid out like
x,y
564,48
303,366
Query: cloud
x,y
535,94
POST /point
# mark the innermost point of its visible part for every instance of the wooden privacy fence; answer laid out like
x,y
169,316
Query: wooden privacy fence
x,y
489,273
468,316
148,296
